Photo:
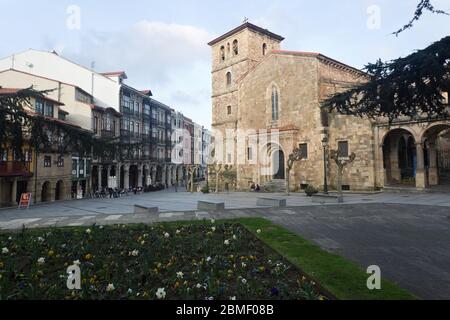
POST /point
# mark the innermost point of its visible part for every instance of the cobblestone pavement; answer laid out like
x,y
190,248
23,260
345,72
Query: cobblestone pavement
x,y
407,235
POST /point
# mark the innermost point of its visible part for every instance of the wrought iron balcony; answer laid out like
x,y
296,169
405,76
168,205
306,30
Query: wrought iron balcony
x,y
108,134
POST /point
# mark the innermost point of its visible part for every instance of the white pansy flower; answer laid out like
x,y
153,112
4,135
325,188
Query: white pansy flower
x,y
161,293
40,239
213,221
208,259
41,261
178,231
233,298
88,231
213,229
234,237
134,253
244,281
167,235
180,275
5,250
110,288
130,291
226,242
258,231
244,265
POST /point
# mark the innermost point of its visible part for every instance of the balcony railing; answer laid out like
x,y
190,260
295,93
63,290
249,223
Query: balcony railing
x,y
15,169
107,134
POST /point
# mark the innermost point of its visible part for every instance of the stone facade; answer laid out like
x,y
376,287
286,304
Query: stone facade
x,y
273,105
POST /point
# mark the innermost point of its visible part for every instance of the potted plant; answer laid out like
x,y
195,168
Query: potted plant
x,y
310,191
205,190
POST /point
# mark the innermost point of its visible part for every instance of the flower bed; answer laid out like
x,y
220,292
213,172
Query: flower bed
x,y
198,261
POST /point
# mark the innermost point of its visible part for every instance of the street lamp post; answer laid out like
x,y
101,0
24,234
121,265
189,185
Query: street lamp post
x,y
325,181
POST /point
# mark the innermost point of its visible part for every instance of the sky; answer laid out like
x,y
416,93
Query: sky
x,y
162,45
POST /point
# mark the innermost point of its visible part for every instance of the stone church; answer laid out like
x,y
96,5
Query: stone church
x,y
266,102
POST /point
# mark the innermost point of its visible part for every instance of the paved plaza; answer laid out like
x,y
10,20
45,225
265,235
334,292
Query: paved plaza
x,y
406,234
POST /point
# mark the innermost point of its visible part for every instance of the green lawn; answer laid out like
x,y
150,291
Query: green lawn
x,y
344,279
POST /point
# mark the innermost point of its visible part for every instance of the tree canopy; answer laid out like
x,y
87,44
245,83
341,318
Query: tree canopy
x,y
424,5
411,86
20,127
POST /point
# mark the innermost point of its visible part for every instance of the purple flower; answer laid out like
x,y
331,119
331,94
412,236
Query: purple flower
x,y
274,292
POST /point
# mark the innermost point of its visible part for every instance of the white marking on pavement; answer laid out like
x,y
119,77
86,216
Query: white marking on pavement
x,y
171,214
113,217
17,223
77,224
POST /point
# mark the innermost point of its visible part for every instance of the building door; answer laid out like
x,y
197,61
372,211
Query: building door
x,y
21,188
278,165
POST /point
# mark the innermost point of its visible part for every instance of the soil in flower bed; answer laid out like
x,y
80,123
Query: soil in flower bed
x,y
199,261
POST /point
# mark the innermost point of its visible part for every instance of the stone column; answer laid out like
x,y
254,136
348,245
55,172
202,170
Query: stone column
x,y
14,191
381,172
126,177
99,173
118,174
169,178
433,175
154,175
393,159
420,171
108,175
140,176
163,178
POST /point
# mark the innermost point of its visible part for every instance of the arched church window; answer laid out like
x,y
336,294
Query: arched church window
x,y
235,47
275,108
222,53
228,78
264,49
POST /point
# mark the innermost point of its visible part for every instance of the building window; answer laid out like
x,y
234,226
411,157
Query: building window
x,y
304,150
264,49
60,161
343,149
82,97
228,79
39,106
49,109
235,47
229,110
4,155
229,158
249,154
222,53
47,161
275,107
28,155
95,125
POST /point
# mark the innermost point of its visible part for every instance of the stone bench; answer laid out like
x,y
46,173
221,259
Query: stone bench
x,y
268,202
145,210
210,206
327,198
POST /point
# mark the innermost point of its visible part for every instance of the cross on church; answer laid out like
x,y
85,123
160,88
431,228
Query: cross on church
x,y
245,20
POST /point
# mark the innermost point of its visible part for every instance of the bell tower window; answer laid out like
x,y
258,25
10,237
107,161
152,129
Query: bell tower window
x,y
228,79
235,47
264,49
222,53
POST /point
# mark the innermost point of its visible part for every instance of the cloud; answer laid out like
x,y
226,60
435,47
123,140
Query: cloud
x,y
171,59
